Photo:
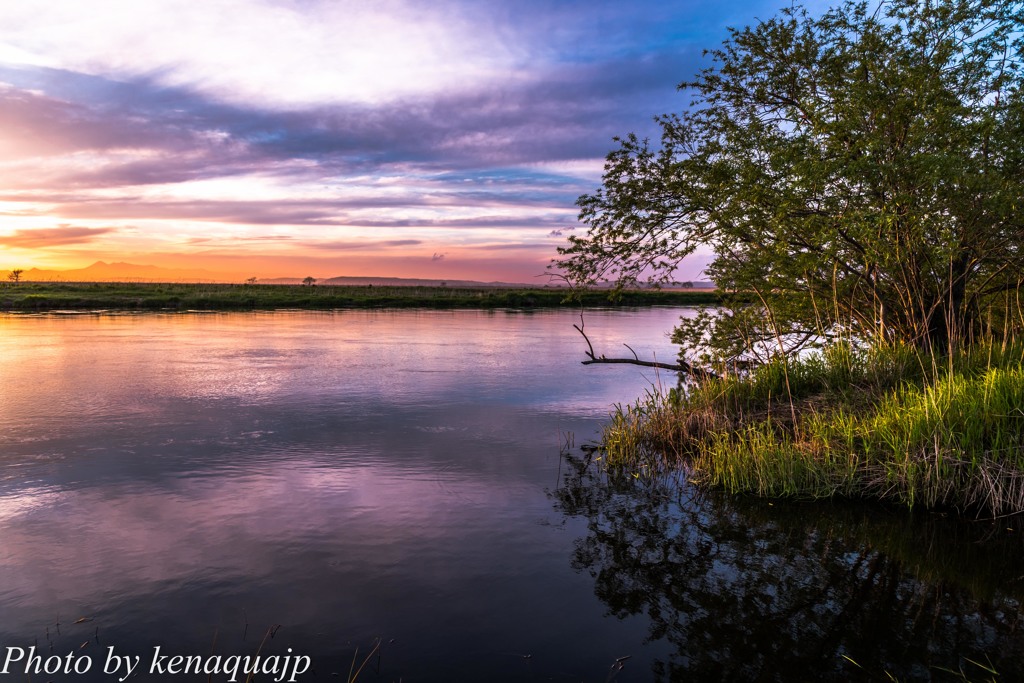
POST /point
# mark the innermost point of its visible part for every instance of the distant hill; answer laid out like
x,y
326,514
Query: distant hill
x,y
409,282
356,281
131,272
123,272
416,282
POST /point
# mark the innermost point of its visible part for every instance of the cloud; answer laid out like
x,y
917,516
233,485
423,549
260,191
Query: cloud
x,y
40,238
298,54
283,212
519,221
451,123
239,238
284,54
556,113
43,114
351,245
320,212
511,246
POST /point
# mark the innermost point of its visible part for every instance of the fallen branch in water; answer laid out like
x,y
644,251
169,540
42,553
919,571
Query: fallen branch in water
x,y
682,366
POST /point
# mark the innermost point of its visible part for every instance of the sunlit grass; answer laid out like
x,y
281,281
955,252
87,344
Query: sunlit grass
x,y
889,423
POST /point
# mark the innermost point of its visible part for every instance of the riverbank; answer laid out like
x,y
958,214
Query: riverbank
x,y
49,296
889,424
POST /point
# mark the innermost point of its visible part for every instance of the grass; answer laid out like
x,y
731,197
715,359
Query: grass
x,y
891,424
47,296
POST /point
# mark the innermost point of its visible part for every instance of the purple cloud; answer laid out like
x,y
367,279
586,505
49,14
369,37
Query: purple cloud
x,y
510,154
352,245
566,112
52,237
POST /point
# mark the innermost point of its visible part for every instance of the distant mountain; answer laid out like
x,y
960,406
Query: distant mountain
x,y
124,272
352,281
356,281
131,272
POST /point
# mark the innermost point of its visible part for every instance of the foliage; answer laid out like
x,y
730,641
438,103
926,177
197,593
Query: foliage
x,y
15,275
858,173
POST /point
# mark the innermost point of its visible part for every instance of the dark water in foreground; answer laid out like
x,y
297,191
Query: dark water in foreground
x,y
206,483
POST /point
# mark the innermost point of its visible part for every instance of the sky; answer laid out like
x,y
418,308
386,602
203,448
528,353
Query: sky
x,y
446,139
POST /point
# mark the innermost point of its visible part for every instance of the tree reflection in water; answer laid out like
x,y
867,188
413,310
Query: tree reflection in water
x,y
749,590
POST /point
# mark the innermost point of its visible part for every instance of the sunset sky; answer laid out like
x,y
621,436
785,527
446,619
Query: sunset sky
x,y
444,139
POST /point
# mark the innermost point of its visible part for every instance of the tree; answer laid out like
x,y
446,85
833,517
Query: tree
x,y
858,173
309,281
15,275
251,281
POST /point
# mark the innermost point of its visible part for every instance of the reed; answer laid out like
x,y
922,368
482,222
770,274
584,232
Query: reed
x,y
353,672
888,423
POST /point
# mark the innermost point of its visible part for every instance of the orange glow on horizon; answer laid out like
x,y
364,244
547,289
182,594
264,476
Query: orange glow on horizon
x,y
526,268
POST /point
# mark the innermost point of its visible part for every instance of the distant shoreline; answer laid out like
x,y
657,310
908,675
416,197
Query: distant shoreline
x,y
86,296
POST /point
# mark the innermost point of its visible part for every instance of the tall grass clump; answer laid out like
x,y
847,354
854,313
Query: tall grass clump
x,y
958,441
892,423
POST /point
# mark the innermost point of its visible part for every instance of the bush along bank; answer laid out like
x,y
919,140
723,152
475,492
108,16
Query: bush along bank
x,y
888,423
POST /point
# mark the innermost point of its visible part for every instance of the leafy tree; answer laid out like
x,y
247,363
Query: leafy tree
x,y
309,281
15,275
856,173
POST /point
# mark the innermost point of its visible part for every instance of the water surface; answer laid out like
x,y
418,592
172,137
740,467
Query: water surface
x,y
346,475
195,481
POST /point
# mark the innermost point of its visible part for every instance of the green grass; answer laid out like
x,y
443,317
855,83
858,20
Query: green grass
x,y
891,424
32,296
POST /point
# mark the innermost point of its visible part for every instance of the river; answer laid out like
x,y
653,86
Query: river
x,y
321,484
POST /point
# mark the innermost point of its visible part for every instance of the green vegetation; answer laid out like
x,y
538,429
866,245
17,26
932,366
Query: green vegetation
x,y
35,296
858,173
881,423
858,176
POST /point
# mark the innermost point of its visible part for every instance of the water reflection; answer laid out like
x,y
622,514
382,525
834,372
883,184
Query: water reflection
x,y
181,479
747,590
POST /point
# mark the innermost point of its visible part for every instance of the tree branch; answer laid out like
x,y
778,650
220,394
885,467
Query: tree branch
x,y
683,366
